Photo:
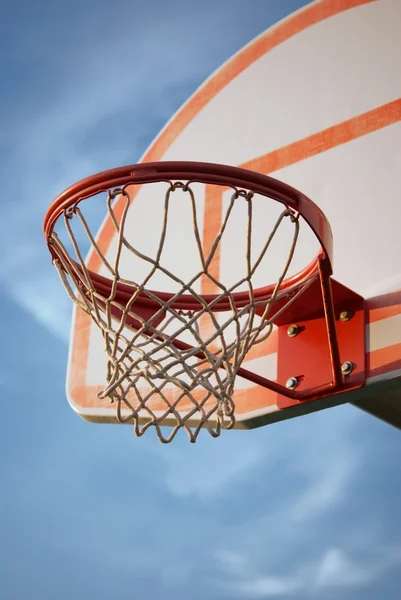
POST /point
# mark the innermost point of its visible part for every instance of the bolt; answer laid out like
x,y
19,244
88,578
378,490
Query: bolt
x,y
346,315
293,330
291,383
347,367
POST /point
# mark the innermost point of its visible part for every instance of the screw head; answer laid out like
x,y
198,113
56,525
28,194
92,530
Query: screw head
x,y
293,330
291,383
347,367
346,315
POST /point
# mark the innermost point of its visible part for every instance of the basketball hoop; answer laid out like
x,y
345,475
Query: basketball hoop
x,y
155,341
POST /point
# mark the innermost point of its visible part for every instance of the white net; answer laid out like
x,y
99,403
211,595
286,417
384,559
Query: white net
x,y
171,361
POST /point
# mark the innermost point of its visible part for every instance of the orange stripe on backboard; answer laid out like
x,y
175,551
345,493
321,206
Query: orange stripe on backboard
x,y
384,306
213,217
384,360
329,138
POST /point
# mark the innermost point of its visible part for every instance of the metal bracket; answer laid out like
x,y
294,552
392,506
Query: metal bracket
x,y
304,362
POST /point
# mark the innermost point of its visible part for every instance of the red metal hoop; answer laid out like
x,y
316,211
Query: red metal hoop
x,y
207,173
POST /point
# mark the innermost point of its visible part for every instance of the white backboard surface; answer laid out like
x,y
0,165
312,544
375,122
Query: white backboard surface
x,y
315,101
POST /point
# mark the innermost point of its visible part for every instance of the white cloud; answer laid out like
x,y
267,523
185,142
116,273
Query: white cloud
x,y
45,300
329,485
235,563
327,464
264,587
206,469
245,581
336,569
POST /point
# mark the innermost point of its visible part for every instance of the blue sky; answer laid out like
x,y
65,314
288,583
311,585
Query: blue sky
x,y
303,509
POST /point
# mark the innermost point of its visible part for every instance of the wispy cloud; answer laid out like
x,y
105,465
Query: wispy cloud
x,y
40,294
207,469
265,587
337,569
328,477
244,579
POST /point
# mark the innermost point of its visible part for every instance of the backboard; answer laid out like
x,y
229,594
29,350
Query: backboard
x,y
314,101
